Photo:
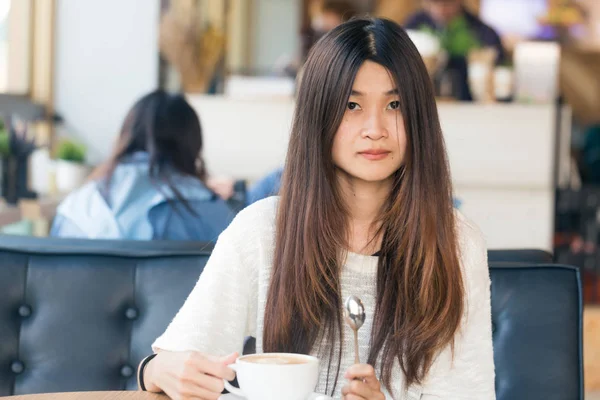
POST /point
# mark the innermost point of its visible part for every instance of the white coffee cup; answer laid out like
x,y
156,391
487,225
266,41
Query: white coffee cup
x,y
276,376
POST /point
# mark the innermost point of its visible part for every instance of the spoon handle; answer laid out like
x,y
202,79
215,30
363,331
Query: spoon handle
x,y
356,358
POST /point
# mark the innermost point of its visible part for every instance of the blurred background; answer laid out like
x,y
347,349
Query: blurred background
x,y
517,81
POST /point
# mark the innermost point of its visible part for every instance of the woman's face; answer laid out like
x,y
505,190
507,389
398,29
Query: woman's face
x,y
370,143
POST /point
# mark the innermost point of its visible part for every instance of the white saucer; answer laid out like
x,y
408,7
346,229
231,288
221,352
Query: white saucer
x,y
231,396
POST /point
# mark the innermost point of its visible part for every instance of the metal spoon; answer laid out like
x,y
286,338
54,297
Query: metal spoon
x,y
354,315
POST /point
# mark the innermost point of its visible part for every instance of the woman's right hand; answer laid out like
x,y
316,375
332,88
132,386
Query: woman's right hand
x,y
188,375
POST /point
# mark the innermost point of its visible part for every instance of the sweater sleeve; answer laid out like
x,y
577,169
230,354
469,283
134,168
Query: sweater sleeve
x,y
469,372
221,309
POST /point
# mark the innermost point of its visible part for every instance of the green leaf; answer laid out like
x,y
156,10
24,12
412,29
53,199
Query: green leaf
x,y
4,143
71,151
457,39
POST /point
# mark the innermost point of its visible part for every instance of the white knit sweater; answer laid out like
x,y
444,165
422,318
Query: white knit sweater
x,y
228,302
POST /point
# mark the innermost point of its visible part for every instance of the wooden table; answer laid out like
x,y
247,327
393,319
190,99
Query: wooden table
x,y
125,395
39,212
40,208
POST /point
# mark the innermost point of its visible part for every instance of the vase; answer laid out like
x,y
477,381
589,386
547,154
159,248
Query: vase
x,y
70,175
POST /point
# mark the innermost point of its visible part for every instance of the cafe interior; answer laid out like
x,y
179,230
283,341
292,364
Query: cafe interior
x,y
85,291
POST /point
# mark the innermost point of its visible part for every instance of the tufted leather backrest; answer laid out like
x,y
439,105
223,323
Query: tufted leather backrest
x,y
537,331
79,315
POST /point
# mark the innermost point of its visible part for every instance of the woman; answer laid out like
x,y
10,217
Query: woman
x,y
152,186
366,210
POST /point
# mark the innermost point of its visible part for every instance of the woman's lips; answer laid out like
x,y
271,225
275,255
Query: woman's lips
x,y
374,155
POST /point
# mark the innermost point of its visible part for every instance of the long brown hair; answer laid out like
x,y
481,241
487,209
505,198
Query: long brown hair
x,y
420,290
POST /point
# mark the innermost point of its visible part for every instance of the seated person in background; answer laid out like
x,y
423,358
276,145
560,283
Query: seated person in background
x,y
327,15
152,186
460,32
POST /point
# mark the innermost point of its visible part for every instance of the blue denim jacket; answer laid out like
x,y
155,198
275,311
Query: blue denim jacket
x,y
138,209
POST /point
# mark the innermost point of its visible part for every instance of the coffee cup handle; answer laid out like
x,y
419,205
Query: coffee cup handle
x,y
233,389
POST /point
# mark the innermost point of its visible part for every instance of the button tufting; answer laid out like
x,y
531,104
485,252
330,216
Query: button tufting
x,y
131,313
25,311
17,367
126,371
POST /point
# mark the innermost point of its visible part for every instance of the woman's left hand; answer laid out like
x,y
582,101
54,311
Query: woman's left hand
x,y
362,384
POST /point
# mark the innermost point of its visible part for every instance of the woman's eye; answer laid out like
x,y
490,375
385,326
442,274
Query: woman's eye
x,y
353,106
394,105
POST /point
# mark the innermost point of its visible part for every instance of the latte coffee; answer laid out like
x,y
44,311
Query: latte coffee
x,y
278,359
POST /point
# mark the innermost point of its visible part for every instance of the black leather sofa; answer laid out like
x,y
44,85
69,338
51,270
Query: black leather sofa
x,y
80,315
520,256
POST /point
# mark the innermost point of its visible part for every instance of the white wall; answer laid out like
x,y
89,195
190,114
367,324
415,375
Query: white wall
x,y
106,57
243,138
276,27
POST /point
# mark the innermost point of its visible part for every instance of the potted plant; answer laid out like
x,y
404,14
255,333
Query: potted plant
x,y
15,149
71,171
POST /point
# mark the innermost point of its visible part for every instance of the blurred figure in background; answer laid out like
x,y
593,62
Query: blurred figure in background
x,y
153,185
332,14
328,15
460,32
